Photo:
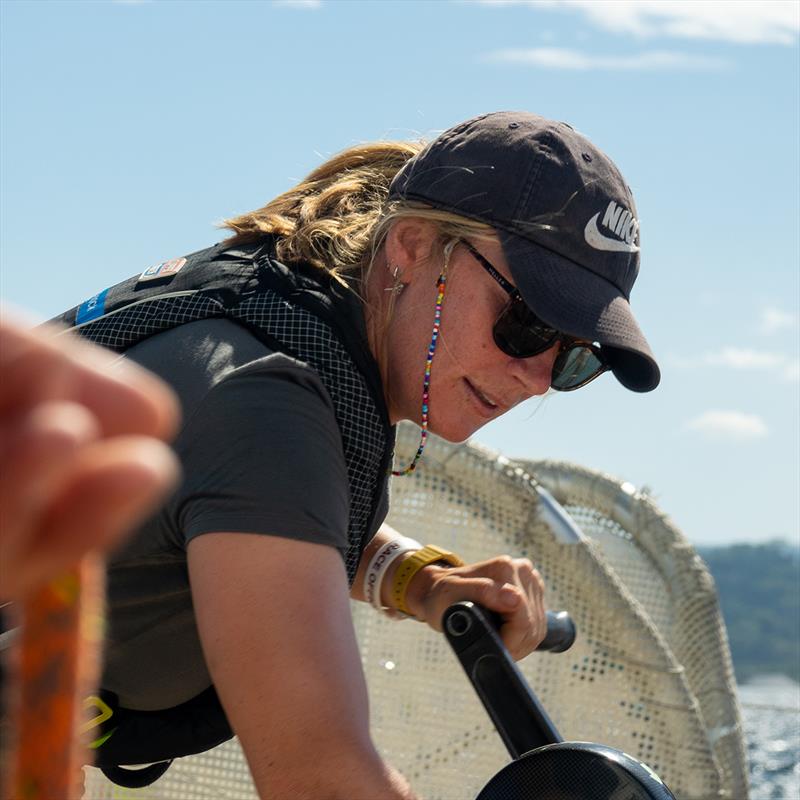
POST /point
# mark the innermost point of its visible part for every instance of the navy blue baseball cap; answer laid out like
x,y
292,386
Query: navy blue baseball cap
x,y
565,217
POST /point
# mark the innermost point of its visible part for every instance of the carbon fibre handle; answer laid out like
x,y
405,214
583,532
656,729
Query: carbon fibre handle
x,y
560,634
516,712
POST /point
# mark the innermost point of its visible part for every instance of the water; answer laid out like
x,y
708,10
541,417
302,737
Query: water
x,y
771,716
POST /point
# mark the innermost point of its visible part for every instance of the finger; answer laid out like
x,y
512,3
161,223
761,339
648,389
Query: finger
x,y
503,598
540,608
518,631
116,484
531,580
528,627
128,399
494,585
37,453
508,600
32,366
47,364
519,600
500,568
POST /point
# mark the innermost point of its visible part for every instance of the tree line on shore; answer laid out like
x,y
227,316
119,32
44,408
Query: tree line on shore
x,y
759,594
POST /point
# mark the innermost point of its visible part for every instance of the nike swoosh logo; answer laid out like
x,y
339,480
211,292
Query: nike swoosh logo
x,y
596,239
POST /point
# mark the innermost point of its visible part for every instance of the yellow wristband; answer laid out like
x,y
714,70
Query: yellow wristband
x,y
411,565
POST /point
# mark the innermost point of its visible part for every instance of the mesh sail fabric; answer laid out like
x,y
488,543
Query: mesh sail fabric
x,y
669,580
649,673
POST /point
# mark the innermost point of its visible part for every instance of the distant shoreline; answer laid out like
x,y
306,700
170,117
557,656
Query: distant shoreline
x,y
758,586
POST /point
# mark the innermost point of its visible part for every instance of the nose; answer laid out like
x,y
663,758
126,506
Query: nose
x,y
536,373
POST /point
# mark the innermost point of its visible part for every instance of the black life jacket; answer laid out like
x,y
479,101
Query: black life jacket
x,y
302,312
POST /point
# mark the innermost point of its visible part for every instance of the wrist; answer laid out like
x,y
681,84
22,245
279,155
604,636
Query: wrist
x,y
408,569
381,564
420,587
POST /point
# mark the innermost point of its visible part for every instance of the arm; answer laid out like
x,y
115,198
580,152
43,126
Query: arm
x,y
278,638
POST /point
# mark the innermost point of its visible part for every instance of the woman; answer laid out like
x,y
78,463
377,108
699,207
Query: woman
x,y
441,285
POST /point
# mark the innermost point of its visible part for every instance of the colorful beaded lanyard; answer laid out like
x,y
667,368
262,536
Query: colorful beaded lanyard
x,y
426,382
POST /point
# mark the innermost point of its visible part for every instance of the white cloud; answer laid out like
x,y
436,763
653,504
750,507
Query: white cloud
x,y
791,372
740,22
560,58
742,358
728,425
774,320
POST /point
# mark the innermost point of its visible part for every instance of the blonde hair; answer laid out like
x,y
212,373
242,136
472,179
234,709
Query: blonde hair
x,y
337,218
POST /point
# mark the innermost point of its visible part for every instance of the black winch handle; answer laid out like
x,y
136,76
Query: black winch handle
x,y
560,634
516,712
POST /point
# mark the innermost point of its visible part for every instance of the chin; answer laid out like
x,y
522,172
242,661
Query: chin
x,y
456,431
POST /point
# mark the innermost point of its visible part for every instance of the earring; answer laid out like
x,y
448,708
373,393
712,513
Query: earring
x,y
397,286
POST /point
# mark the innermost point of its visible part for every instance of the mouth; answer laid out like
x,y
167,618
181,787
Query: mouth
x,y
486,405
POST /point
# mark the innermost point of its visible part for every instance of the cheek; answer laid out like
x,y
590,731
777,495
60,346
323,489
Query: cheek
x,y
467,338
408,350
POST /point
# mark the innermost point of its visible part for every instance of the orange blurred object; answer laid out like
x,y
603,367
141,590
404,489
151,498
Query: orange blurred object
x,y
55,664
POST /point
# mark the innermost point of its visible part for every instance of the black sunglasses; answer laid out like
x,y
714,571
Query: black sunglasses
x,y
519,333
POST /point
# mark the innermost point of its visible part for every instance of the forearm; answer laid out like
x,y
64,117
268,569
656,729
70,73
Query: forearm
x,y
332,776
285,661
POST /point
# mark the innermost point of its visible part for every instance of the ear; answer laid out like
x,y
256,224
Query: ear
x,y
410,245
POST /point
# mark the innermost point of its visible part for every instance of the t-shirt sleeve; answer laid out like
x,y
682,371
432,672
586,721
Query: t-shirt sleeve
x,y
262,453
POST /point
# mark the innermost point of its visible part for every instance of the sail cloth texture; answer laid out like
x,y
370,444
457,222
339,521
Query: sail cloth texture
x,y
650,672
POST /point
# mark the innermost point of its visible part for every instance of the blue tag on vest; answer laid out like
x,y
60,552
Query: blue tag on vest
x,y
93,308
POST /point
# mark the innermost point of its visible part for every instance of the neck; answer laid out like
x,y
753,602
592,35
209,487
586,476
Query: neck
x,y
378,311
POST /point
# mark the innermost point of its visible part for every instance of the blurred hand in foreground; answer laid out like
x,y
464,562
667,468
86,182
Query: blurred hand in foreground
x,y
82,450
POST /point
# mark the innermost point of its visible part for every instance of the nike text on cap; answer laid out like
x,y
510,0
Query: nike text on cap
x,y
566,220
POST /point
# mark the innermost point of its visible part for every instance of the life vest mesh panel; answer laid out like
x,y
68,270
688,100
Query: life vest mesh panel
x,y
363,439
126,327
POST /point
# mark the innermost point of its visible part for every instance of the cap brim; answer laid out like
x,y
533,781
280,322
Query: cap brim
x,y
580,303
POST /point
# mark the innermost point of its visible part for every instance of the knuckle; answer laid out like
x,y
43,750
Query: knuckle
x,y
515,590
524,565
485,588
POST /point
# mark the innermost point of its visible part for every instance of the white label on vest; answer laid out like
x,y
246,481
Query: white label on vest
x,y
166,269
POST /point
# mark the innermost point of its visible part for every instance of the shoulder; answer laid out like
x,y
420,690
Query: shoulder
x,y
220,356
260,444
214,346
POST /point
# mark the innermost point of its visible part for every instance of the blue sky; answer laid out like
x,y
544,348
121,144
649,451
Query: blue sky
x,y
130,128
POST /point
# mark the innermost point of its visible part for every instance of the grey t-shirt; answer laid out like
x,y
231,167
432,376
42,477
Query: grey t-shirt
x,y
262,453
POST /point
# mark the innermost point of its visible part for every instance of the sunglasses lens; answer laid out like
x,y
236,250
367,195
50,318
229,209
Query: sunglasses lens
x,y
575,367
520,333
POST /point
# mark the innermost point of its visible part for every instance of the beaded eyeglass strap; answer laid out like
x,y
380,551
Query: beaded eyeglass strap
x,y
426,382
